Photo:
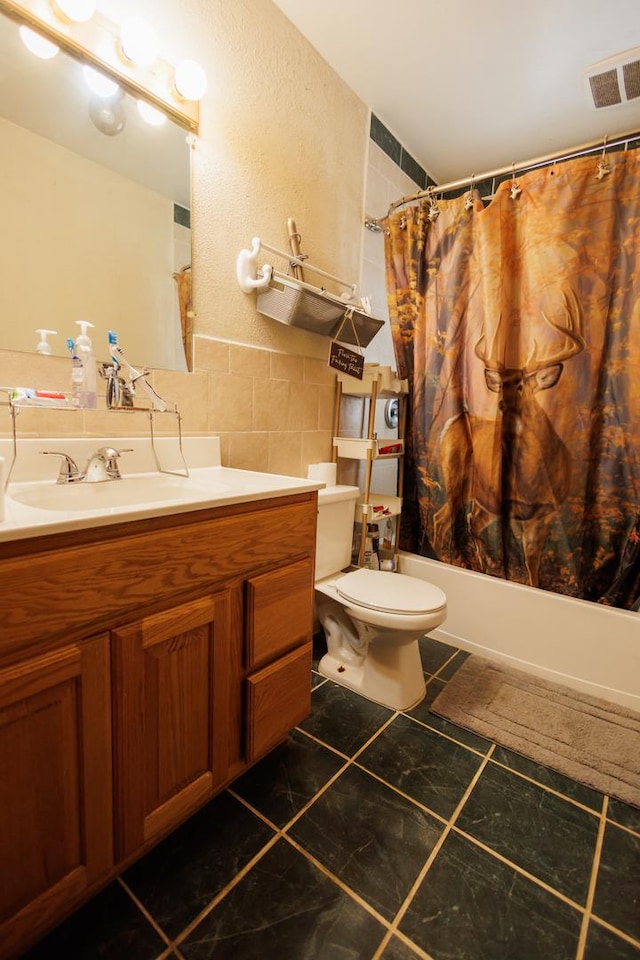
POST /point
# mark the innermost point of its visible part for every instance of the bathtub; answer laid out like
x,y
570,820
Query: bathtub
x,y
584,645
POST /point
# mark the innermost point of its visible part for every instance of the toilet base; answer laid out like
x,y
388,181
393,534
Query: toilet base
x,y
397,689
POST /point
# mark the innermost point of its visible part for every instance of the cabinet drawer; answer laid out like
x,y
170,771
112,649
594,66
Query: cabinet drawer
x,y
278,697
279,611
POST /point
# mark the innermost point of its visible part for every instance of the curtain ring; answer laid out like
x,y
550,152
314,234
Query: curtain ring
x,y
603,166
468,203
515,189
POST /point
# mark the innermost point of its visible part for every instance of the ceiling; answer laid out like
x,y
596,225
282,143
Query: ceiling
x,y
468,88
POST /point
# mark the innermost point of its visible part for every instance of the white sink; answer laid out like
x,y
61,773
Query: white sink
x,y
135,490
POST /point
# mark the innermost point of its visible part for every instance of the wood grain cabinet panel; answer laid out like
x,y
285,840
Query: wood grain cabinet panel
x,y
55,784
168,718
278,698
279,612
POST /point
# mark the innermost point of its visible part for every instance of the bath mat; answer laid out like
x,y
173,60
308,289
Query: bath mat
x,y
590,740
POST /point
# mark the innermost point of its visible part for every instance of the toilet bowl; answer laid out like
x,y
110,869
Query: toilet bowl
x,y
372,619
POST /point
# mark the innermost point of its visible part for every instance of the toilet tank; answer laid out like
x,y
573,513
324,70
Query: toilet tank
x,y
336,513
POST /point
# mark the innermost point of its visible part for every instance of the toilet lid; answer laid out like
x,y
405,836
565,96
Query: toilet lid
x,y
393,592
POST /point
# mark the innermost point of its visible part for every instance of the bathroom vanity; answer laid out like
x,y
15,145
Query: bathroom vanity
x,y
144,663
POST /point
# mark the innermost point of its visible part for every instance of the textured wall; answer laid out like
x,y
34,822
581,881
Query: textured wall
x,y
280,136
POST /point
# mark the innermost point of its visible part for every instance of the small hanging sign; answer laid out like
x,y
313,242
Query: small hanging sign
x,y
343,358
346,361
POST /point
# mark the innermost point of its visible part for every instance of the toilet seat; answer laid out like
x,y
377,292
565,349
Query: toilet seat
x,y
390,592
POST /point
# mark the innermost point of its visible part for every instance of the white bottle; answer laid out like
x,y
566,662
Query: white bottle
x,y
84,350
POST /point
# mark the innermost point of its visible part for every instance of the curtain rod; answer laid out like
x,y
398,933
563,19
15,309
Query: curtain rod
x,y
585,148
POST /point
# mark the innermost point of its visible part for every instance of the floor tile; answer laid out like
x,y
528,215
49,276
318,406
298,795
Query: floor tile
x,y
110,925
285,908
281,784
448,670
423,713
316,679
179,877
421,763
549,837
342,718
434,654
624,814
549,778
617,897
370,837
396,949
471,905
604,945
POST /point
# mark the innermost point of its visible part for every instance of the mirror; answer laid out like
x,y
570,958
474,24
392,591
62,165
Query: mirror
x,y
95,214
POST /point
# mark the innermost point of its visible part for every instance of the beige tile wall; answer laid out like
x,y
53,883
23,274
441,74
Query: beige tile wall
x,y
272,411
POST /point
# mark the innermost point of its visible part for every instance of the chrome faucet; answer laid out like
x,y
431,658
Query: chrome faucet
x,y
102,465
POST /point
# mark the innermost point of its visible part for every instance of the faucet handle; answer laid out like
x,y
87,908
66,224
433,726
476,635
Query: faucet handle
x,y
69,470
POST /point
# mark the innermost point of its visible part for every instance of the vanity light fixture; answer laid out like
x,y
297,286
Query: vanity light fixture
x,y
139,42
129,57
76,11
190,80
38,45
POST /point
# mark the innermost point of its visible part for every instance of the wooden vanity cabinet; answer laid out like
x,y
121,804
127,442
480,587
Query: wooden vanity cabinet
x,y
170,671
180,654
56,839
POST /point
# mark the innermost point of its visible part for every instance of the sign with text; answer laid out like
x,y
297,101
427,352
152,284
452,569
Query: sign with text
x,y
346,361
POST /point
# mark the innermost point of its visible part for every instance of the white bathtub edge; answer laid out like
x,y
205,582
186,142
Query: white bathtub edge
x,y
586,646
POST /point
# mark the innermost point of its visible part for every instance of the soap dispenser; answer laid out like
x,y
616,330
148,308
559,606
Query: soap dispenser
x,y
43,346
84,351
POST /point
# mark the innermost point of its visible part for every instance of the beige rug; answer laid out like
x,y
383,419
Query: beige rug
x,y
592,741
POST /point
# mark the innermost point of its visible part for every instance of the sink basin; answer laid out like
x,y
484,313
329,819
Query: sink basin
x,y
136,490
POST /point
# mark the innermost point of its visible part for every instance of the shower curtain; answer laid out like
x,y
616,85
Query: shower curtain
x,y
518,326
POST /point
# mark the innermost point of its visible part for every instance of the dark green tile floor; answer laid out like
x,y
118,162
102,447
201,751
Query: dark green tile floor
x,y
374,835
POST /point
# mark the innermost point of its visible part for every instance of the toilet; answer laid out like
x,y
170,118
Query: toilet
x,y
372,619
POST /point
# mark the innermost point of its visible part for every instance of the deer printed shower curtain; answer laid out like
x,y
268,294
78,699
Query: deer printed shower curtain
x,y
518,326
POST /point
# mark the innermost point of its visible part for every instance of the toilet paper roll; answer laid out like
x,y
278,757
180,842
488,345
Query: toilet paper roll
x,y
323,471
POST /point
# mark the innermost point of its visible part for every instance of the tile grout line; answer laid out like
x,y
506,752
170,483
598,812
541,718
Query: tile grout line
x,y
146,914
432,856
584,927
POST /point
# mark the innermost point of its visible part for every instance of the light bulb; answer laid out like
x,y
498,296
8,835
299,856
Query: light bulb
x,y
139,41
98,83
155,118
190,80
107,116
79,11
37,44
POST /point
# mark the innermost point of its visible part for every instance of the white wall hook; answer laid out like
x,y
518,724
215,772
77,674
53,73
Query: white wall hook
x,y
247,273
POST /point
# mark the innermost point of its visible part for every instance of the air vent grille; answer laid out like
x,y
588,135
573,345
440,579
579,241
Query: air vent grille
x,y
616,80
605,89
631,73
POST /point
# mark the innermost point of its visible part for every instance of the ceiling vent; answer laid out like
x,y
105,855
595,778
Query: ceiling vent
x,y
615,81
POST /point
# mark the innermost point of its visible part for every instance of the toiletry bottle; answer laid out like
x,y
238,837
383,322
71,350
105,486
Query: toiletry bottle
x,y
84,350
77,375
43,346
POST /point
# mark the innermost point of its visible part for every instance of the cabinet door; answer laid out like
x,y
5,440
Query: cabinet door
x,y
279,611
55,786
278,697
170,716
